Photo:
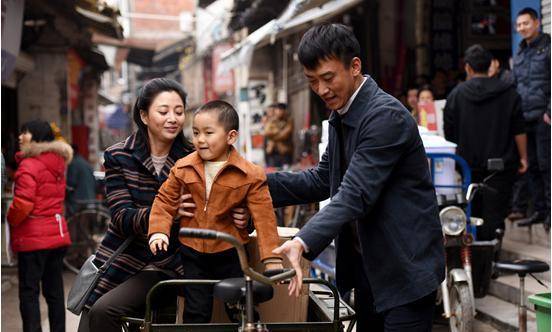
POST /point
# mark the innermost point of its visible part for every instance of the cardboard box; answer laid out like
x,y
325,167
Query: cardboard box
x,y
282,308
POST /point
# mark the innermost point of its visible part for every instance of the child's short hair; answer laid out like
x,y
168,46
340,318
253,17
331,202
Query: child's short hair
x,y
227,115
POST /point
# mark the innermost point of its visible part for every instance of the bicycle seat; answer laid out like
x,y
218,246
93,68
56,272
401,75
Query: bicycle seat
x,y
232,290
522,266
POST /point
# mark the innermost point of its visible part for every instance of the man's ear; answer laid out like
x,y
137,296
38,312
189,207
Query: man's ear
x,y
144,117
232,137
356,66
468,69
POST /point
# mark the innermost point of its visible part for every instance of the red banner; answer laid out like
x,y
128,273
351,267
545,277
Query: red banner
x,y
74,67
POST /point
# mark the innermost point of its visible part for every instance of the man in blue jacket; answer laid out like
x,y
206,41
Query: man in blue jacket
x,y
532,77
383,210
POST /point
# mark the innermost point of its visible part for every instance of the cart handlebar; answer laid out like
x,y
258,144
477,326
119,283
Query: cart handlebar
x,y
244,264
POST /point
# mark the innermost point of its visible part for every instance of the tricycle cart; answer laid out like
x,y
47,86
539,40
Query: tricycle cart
x,y
326,311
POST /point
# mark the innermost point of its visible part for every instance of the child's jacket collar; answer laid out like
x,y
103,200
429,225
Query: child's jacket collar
x,y
194,160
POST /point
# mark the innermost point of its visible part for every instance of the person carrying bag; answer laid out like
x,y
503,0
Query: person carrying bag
x,y
88,277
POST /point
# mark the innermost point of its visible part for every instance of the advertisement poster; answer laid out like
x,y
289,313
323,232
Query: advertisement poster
x,y
426,116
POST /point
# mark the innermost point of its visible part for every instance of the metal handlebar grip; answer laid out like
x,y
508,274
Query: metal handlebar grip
x,y
198,233
279,274
288,273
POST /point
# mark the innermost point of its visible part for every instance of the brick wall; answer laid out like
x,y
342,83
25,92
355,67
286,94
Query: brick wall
x,y
41,92
154,28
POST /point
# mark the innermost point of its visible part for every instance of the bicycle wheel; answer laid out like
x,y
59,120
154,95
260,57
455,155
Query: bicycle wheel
x,y
87,229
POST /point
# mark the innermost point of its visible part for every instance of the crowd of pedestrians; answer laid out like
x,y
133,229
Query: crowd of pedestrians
x,y
501,113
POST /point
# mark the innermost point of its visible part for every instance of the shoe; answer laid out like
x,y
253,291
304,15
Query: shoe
x,y
515,215
535,218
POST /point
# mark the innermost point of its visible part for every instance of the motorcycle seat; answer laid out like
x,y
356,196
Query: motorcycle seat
x,y
232,291
522,266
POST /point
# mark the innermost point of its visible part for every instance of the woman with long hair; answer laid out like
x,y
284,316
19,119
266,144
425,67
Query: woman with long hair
x,y
135,170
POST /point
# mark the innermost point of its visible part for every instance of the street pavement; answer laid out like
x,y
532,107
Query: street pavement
x,y
11,320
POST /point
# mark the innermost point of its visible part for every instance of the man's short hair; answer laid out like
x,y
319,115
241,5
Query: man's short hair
x,y
529,11
410,87
326,41
478,58
227,115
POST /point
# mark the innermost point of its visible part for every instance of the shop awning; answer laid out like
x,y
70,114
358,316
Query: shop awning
x,y
243,52
317,15
103,21
298,14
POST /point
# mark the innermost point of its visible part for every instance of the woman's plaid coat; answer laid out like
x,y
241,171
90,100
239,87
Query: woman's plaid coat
x,y
131,186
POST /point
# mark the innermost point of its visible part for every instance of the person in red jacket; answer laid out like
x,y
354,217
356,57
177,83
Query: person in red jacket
x,y
39,232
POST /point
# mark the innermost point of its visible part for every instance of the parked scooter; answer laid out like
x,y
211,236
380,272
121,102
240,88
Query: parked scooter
x,y
459,230
457,288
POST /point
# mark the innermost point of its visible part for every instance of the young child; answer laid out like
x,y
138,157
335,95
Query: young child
x,y
219,179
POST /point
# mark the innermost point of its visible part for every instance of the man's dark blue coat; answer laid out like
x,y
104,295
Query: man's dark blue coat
x,y
532,77
386,190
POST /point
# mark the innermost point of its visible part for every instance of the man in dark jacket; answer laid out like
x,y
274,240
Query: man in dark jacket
x,y
532,76
483,117
383,211
81,184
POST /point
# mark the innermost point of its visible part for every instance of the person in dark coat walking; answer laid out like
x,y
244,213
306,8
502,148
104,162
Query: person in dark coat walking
x,y
81,184
532,77
483,117
39,232
383,211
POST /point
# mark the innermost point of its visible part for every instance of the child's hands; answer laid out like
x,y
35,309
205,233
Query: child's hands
x,y
158,242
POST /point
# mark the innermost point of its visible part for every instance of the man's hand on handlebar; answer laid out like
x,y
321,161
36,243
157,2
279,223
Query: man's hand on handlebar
x,y
187,209
293,249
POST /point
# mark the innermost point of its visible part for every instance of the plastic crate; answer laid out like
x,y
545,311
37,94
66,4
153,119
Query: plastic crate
x,y
542,308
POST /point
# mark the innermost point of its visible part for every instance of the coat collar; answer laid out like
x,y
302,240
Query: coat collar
x,y
34,149
535,43
139,148
234,160
356,111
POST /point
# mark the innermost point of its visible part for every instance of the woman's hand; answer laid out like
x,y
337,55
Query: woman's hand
x,y
186,207
241,217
